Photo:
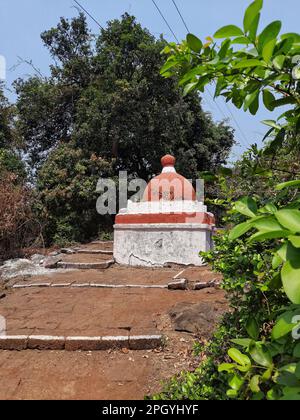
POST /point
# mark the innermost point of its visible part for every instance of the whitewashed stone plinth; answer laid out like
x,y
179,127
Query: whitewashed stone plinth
x,y
153,245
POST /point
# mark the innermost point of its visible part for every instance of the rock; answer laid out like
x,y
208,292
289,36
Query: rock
x,y
67,251
54,253
201,285
194,318
18,267
179,284
37,258
51,262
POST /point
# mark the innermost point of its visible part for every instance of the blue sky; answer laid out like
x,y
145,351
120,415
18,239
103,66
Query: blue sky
x,y
21,23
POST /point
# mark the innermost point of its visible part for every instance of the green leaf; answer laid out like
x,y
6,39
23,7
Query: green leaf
x,y
276,261
287,377
263,236
284,101
252,328
261,355
251,14
223,51
272,394
254,383
228,31
294,35
268,34
268,208
253,29
275,283
282,252
246,206
251,62
297,373
239,230
289,218
194,43
288,252
272,123
295,183
267,224
283,325
268,49
243,342
191,75
189,88
253,107
236,382
168,64
242,40
267,374
249,99
296,352
239,357
295,241
290,275
268,98
278,62
226,367
231,393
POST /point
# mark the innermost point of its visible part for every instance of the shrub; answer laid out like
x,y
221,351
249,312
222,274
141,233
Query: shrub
x,y
18,226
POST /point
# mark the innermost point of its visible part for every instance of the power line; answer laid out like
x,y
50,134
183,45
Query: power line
x,y
180,14
88,13
245,143
166,22
238,126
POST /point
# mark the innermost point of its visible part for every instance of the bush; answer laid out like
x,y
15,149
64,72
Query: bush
x,y
67,195
205,383
18,227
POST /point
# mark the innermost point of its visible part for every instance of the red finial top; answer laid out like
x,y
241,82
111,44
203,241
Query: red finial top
x,y
168,160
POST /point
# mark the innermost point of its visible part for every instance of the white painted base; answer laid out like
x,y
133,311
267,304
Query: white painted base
x,y
153,245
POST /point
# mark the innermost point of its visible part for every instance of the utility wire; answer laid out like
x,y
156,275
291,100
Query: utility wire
x,y
165,20
243,138
88,13
180,14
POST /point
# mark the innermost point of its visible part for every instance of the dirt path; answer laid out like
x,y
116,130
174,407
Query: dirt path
x,y
101,375
86,311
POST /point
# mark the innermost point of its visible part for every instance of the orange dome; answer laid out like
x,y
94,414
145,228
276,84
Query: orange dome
x,y
169,185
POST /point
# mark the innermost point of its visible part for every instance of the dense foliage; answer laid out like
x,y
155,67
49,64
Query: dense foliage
x,y
16,227
258,252
106,108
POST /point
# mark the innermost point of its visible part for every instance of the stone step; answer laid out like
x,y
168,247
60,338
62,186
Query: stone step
x,y
84,285
102,242
83,343
94,251
84,266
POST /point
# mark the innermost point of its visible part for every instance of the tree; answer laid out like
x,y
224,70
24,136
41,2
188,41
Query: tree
x,y
10,160
5,121
110,99
16,227
107,99
67,195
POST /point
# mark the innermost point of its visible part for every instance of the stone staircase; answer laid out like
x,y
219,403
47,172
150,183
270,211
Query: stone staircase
x,y
91,304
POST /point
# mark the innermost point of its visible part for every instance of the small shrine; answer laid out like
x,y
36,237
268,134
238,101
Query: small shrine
x,y
169,225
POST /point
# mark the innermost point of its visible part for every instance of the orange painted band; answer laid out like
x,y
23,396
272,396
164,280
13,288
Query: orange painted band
x,y
203,218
